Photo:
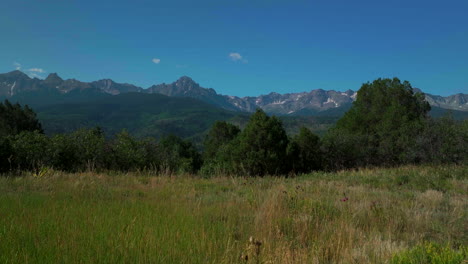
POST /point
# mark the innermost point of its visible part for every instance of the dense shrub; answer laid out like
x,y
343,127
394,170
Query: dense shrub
x,y
381,126
5,154
261,147
218,149
304,153
431,253
29,150
178,156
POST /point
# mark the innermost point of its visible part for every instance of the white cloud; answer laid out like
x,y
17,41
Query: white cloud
x,y
35,75
35,72
156,60
39,70
17,65
234,56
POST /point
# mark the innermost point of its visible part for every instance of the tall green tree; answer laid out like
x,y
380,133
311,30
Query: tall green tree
x,y
304,152
178,155
382,124
221,133
89,146
218,150
261,146
128,152
15,118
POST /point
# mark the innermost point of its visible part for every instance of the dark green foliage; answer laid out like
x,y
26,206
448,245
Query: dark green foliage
x,y
304,152
217,148
343,150
220,134
5,154
130,154
443,140
261,148
64,153
178,155
14,119
258,150
30,150
89,146
380,127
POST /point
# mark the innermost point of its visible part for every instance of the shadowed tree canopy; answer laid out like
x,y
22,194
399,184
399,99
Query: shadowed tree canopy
x,y
304,152
262,146
383,105
14,119
381,125
221,133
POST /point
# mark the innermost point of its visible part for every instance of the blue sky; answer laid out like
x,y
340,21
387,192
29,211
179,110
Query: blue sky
x,y
241,47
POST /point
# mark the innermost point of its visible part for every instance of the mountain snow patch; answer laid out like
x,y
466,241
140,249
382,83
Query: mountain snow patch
x,y
12,87
329,100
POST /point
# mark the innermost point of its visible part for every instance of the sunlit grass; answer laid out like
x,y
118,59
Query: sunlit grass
x,y
119,218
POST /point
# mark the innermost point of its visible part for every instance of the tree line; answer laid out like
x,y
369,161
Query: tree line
x,y
388,125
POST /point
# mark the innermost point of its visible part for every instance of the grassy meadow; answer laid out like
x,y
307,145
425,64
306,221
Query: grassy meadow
x,y
412,214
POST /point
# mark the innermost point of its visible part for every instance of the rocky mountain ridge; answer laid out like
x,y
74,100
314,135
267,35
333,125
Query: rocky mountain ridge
x,y
15,83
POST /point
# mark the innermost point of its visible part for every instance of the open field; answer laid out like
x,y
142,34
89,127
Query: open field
x,y
390,216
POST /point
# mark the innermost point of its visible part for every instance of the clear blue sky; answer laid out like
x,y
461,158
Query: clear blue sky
x,y
241,47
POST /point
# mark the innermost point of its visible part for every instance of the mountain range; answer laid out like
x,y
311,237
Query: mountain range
x,y
183,107
17,86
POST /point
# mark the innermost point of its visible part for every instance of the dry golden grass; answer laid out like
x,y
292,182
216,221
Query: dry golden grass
x,y
133,218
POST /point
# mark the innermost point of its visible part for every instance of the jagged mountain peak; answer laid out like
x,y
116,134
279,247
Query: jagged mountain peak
x,y
184,86
17,74
53,78
186,83
16,82
185,79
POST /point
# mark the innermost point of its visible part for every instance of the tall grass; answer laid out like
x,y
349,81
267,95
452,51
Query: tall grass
x,y
101,218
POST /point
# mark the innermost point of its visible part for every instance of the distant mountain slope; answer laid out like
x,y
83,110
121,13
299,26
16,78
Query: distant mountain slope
x,y
17,86
457,102
155,115
141,114
316,102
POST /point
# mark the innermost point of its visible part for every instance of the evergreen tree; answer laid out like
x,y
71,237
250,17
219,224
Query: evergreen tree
x,y
381,126
217,149
178,155
261,147
14,119
89,146
128,153
221,133
304,152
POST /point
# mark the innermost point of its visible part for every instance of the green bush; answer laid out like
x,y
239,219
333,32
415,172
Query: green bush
x,y
304,152
29,150
261,147
178,156
431,253
381,126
